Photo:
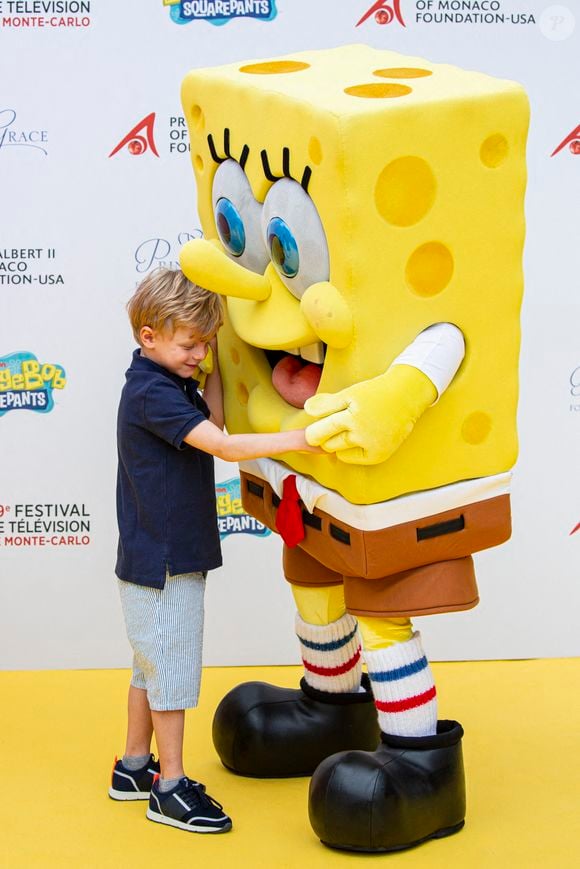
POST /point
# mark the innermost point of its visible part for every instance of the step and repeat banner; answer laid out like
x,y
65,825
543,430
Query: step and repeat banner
x,y
97,189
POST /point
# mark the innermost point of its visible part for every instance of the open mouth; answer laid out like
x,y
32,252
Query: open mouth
x,y
296,373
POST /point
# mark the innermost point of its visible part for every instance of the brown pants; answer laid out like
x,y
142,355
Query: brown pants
x,y
414,568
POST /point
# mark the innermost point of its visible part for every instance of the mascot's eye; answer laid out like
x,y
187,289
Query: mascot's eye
x,y
283,248
294,236
230,227
237,217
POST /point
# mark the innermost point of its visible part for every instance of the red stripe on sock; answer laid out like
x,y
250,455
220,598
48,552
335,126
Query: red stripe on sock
x,y
407,703
334,671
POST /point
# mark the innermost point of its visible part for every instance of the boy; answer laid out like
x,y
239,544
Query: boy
x,y
168,536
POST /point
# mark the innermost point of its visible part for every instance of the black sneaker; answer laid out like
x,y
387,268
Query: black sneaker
x,y
187,807
133,784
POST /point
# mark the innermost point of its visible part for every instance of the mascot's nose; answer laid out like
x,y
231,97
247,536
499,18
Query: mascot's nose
x,y
204,262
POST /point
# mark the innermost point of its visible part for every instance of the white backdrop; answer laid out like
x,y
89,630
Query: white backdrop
x,y
78,228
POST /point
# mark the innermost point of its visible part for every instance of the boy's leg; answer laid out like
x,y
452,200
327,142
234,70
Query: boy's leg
x,y
139,723
133,774
169,727
173,671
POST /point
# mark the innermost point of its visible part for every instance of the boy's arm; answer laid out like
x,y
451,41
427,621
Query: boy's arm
x,y
236,447
212,391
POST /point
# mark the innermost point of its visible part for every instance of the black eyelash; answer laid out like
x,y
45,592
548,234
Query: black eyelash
x,y
266,167
306,175
226,149
244,155
286,162
213,152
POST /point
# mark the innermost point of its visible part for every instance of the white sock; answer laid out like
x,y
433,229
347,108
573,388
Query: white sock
x,y
403,689
331,654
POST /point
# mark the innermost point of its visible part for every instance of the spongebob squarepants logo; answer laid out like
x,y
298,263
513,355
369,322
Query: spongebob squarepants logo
x,y
232,518
220,11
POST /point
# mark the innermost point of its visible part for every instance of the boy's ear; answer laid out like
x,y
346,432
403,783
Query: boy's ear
x,y
147,336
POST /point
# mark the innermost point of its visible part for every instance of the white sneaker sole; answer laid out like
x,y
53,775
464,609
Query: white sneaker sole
x,y
128,795
191,828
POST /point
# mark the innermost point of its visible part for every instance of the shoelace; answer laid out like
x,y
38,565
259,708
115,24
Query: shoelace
x,y
200,797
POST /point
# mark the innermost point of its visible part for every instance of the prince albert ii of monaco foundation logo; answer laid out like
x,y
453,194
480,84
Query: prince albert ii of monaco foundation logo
x,y
384,12
140,139
572,141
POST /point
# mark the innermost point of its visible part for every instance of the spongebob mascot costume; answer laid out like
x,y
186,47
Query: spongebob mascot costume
x,y
363,215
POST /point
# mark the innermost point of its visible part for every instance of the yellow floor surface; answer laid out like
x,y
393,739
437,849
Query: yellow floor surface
x,y
59,731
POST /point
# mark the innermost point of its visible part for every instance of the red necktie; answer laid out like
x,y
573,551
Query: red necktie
x,y
289,515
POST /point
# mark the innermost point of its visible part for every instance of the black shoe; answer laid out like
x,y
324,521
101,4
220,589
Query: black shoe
x,y
407,791
263,731
187,807
132,784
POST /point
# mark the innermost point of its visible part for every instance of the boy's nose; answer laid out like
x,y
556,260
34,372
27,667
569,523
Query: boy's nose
x,y
199,353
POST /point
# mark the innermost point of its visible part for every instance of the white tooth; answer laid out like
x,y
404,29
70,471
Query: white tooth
x,y
294,351
313,353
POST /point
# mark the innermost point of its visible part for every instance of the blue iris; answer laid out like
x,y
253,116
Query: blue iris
x,y
283,248
230,227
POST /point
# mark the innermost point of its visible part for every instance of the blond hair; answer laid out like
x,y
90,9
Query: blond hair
x,y
166,300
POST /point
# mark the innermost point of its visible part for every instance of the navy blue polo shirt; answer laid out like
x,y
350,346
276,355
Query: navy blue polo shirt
x,y
166,507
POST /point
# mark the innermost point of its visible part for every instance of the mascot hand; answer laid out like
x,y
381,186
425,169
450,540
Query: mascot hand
x,y
364,424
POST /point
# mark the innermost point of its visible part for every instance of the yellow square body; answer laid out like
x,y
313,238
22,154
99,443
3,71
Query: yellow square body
x,y
417,171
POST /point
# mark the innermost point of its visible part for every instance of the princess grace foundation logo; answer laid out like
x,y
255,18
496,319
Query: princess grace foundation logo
x,y
232,519
27,384
220,11
14,135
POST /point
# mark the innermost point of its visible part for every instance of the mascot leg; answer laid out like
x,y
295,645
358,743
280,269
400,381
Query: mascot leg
x,y
269,732
329,640
411,788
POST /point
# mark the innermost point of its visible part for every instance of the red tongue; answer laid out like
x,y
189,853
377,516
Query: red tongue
x,y
296,381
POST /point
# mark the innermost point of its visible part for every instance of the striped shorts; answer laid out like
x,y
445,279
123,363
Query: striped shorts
x,y
165,629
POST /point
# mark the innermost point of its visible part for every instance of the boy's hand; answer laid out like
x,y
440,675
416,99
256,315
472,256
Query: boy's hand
x,y
304,446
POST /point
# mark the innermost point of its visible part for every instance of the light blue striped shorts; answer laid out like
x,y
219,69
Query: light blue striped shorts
x,y
165,629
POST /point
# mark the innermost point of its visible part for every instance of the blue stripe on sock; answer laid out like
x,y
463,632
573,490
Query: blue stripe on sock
x,y
328,647
400,672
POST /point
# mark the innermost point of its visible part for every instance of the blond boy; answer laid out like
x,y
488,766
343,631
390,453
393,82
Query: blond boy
x,y
167,434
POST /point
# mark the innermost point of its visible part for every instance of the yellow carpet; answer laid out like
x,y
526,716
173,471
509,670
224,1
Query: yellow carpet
x,y
59,732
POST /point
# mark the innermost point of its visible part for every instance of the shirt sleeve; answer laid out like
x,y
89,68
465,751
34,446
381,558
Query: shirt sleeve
x,y
438,352
169,413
